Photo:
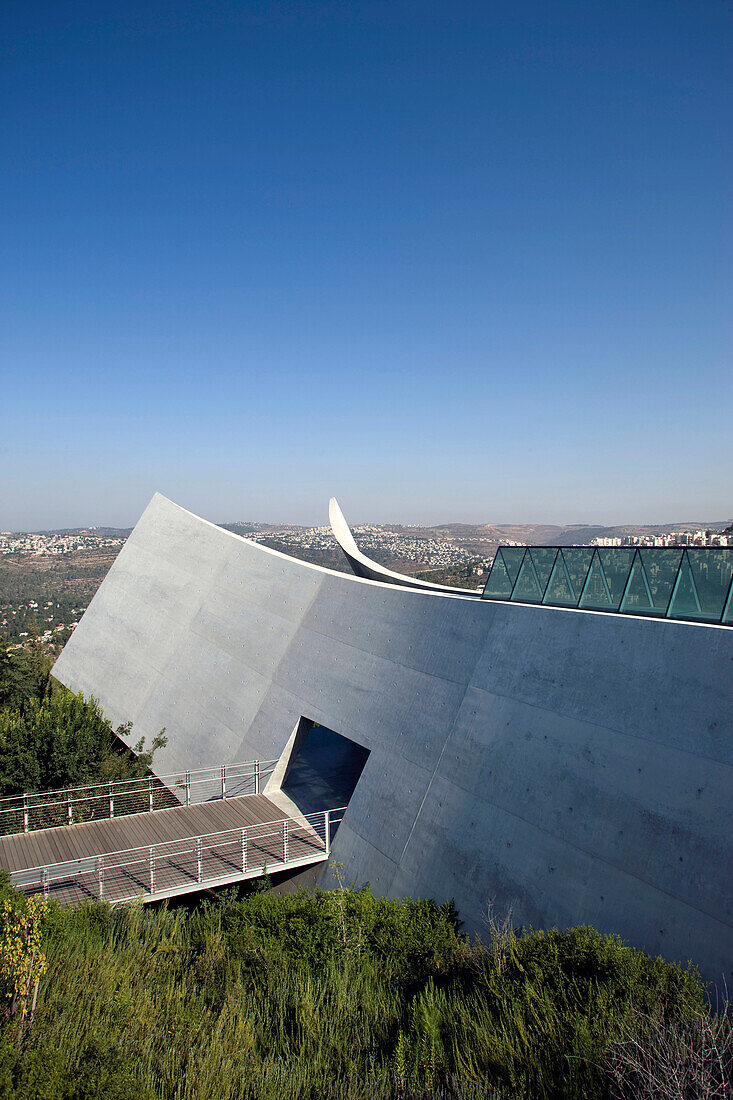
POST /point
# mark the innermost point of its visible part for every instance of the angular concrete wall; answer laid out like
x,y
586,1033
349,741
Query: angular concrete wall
x,y
574,765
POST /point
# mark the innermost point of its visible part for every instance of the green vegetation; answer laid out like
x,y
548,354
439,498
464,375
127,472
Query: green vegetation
x,y
51,738
335,994
454,576
60,587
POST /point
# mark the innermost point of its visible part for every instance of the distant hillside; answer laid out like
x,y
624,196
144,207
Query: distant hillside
x,y
533,534
557,534
481,540
44,590
100,532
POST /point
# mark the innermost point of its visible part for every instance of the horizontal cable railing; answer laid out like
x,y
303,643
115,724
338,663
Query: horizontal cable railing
x,y
73,805
185,865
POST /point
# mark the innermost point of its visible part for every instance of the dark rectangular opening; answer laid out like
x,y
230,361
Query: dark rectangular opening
x,y
324,769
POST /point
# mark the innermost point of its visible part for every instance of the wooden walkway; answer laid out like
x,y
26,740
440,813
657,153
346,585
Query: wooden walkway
x,y
164,853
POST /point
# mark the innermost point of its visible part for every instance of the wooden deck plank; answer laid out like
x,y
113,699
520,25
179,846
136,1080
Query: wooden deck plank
x,y
20,851
23,854
41,850
67,843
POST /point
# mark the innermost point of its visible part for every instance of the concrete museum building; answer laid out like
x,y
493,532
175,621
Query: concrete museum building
x,y
561,744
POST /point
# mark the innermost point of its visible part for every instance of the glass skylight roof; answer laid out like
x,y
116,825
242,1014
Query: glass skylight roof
x,y
692,583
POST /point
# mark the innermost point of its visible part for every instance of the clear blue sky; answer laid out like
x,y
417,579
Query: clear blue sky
x,y
449,261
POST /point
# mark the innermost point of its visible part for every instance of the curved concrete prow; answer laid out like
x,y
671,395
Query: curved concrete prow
x,y
372,570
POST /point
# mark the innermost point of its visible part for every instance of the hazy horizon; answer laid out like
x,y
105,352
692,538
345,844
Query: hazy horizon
x,y
355,521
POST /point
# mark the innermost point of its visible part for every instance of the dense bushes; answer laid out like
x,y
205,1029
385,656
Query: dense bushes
x,y
63,740
51,738
330,995
24,674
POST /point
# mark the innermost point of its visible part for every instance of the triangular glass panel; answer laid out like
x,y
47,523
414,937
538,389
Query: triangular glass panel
x,y
513,557
728,613
543,559
616,566
685,603
577,560
498,583
596,593
660,569
528,588
638,598
711,570
559,589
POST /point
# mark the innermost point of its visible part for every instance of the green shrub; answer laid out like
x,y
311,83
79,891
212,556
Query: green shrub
x,y
332,994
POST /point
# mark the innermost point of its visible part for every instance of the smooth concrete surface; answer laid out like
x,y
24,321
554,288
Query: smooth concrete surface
x,y
573,765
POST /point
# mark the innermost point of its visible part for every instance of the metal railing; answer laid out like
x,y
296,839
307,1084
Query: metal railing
x,y
25,813
182,866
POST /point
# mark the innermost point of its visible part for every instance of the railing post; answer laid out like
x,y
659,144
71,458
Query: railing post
x,y
223,781
100,875
25,813
198,860
188,788
285,840
111,801
150,793
151,862
69,811
244,850
44,880
327,826
257,777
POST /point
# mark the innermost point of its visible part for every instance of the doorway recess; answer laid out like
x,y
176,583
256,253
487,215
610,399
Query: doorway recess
x,y
322,768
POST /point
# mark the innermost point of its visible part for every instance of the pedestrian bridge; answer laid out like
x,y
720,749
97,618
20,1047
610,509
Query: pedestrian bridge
x,y
158,837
